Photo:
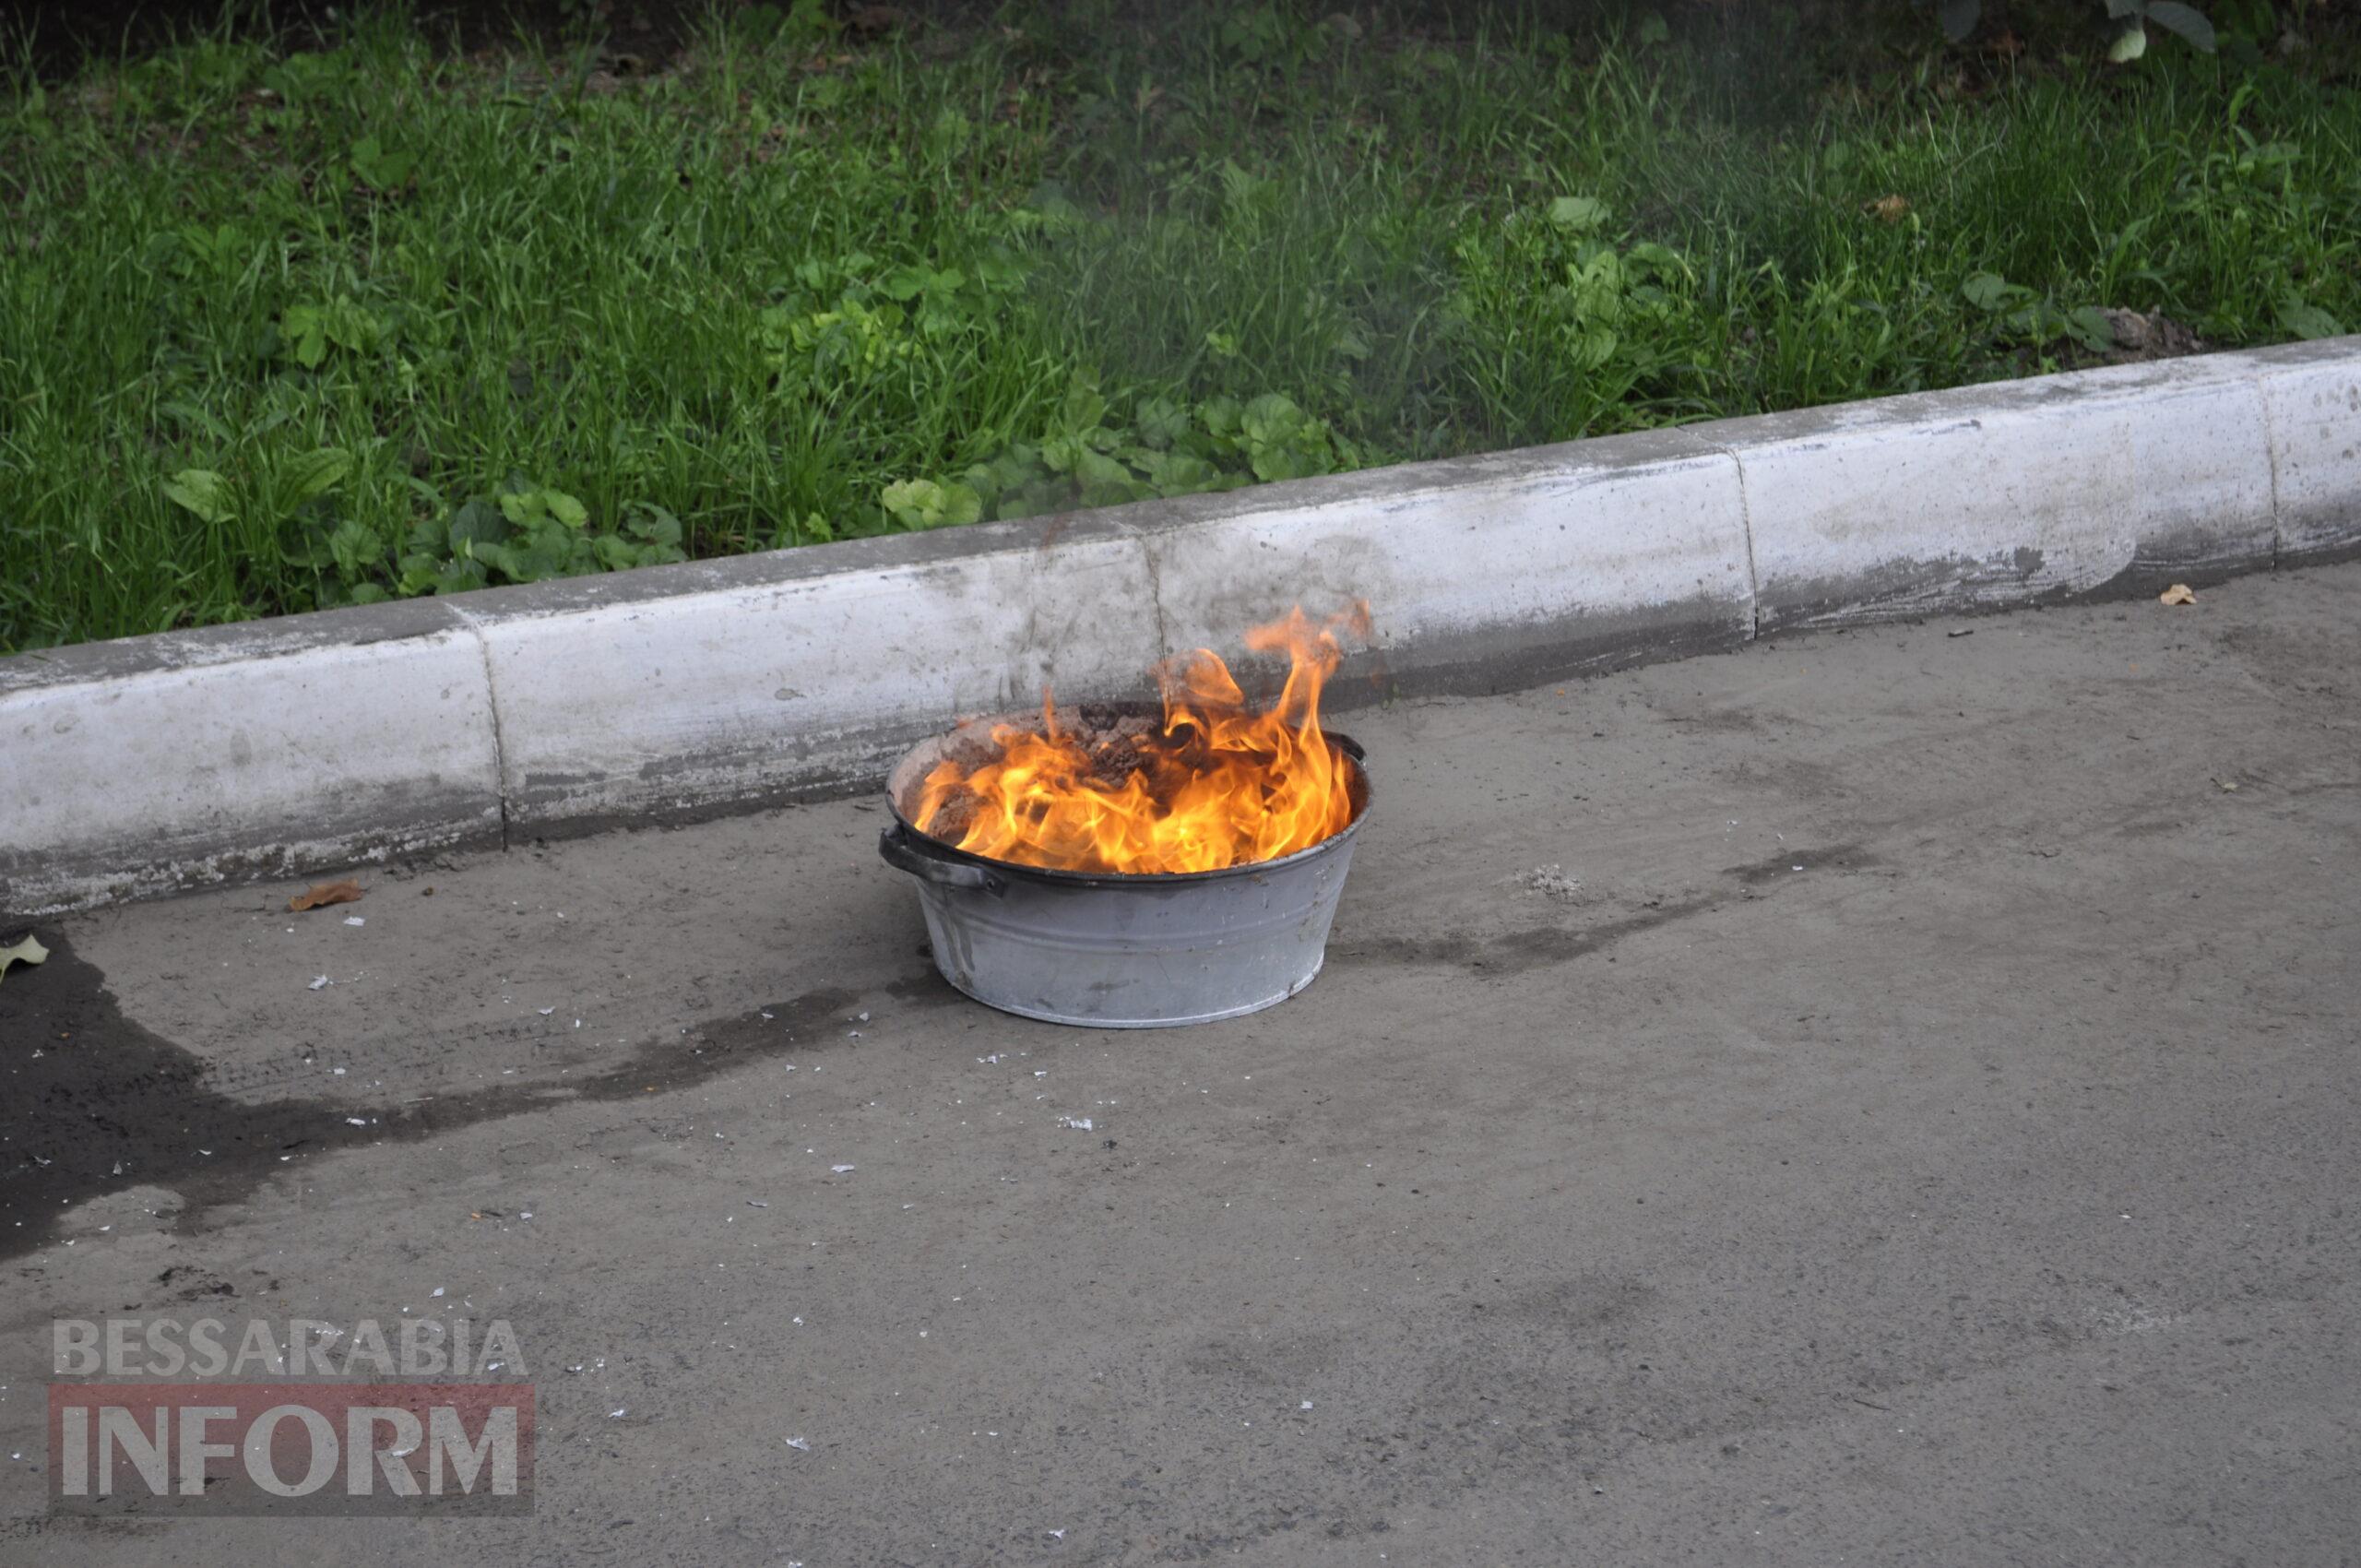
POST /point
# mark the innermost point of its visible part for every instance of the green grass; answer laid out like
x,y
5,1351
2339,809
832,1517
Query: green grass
x,y
284,330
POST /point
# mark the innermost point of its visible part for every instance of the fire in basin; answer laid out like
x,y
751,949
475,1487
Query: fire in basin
x,y
1130,866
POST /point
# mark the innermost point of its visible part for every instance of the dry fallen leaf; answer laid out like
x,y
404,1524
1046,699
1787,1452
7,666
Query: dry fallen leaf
x,y
1887,209
320,894
2179,593
25,951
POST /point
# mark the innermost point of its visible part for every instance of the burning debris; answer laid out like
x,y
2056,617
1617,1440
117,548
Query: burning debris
x,y
1210,783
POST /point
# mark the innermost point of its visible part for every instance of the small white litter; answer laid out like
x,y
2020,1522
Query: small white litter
x,y
839,1169
356,920
801,1444
320,982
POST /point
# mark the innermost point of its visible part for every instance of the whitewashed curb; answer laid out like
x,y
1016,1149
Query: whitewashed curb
x,y
288,746
1498,571
2006,494
2313,397
688,699
159,763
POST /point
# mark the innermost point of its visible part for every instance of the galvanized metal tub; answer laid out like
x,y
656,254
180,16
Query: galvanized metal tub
x,y
1121,952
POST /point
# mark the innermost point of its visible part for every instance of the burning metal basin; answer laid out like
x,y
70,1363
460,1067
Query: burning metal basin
x,y
1116,951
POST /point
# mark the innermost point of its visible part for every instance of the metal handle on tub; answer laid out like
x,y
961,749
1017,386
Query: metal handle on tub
x,y
894,847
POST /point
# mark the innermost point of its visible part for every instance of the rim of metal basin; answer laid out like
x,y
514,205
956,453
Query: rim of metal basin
x,y
922,757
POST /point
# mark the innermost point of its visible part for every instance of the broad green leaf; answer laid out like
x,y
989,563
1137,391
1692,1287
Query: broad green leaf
x,y
459,577
508,562
548,551
2128,45
1959,18
1082,407
476,523
1161,423
382,167
1271,419
189,413
565,508
1597,345
203,492
308,549
1662,260
313,474
1989,290
2306,320
1093,468
656,525
1581,213
1285,462
1177,473
2185,21
355,548
2091,328
305,329
2039,321
960,504
350,326
923,503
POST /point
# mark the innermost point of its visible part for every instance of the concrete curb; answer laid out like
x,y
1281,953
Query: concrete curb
x,y
287,746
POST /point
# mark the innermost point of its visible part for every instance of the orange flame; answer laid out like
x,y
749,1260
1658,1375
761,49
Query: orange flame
x,y
1216,784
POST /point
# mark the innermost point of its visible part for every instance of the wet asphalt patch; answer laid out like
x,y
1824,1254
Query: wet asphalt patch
x,y
97,1102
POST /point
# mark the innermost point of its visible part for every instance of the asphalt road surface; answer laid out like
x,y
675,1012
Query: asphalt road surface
x,y
1876,1098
